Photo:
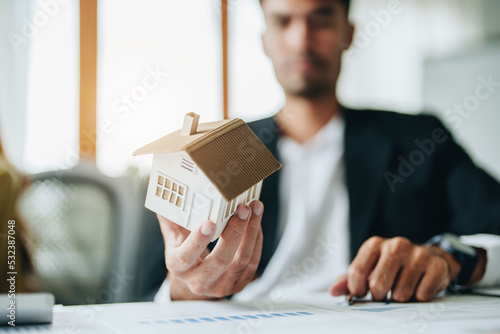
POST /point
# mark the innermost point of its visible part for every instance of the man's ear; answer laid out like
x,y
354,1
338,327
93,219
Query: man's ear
x,y
349,36
263,38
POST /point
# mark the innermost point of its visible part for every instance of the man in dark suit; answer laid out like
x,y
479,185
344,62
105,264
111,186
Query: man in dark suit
x,y
406,179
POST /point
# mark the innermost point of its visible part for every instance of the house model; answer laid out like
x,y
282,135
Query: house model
x,y
204,171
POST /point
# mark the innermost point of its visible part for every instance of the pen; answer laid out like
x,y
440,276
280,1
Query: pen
x,y
349,299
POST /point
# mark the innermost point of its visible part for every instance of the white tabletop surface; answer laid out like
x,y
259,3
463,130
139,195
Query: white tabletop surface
x,y
311,313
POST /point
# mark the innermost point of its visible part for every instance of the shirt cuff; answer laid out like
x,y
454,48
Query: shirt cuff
x,y
491,243
163,294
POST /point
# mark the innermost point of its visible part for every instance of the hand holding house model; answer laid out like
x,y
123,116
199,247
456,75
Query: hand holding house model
x,y
204,171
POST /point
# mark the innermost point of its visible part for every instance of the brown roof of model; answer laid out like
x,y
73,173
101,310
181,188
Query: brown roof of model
x,y
228,152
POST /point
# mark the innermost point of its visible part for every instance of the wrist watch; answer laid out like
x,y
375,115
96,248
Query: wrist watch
x,y
466,255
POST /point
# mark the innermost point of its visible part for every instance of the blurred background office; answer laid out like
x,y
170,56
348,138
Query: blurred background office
x,y
84,83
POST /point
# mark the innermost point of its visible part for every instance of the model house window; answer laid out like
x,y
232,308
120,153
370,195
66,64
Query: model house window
x,y
230,208
251,194
170,191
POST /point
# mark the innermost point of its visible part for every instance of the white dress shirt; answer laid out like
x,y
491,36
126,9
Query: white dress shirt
x,y
314,222
314,207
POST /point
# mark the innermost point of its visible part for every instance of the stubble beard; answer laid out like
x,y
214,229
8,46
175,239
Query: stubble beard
x,y
319,83
307,88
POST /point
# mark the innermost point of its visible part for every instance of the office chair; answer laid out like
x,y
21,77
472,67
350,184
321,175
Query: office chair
x,y
94,239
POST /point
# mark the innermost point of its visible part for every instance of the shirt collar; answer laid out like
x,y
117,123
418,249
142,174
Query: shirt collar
x,y
330,135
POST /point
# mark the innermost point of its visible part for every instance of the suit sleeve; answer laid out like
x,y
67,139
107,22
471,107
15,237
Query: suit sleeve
x,y
472,203
471,197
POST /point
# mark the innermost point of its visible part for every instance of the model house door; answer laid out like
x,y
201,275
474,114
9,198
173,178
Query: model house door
x,y
200,209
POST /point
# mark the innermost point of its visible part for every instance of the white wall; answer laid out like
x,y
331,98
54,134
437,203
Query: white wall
x,y
458,82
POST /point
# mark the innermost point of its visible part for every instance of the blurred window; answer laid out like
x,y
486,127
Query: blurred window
x,y
157,60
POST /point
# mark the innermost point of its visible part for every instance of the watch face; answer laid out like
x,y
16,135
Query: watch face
x,y
455,243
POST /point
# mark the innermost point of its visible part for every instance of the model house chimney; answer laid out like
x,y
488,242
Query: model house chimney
x,y
190,124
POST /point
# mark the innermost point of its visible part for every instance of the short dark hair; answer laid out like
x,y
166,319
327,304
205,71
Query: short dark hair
x,y
346,4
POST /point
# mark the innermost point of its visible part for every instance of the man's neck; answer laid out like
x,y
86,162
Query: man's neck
x,y
301,118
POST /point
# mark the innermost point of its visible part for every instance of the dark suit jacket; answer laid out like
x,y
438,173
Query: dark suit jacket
x,y
405,176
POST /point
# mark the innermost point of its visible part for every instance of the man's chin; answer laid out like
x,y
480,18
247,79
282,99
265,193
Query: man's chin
x,y
308,91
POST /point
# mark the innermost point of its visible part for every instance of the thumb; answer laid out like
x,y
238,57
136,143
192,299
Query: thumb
x,y
173,234
339,287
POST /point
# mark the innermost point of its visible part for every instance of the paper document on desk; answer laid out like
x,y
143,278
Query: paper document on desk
x,y
200,316
310,313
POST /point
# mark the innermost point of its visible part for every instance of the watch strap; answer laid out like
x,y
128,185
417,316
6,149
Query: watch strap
x,y
468,262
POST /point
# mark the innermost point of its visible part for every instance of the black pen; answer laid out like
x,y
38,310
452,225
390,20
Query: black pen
x,y
349,299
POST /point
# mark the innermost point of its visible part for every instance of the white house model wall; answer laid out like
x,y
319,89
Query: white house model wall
x,y
189,205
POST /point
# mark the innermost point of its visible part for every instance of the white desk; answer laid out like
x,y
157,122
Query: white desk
x,y
310,313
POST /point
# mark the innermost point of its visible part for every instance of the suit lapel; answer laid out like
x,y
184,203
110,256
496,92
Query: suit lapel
x,y
268,132
367,154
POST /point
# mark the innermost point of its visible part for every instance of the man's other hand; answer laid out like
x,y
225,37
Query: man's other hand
x,y
196,273
409,271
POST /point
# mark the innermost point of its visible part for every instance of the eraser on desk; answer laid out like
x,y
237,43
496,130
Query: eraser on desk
x,y
26,308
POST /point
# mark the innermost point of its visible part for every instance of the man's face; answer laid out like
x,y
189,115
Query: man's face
x,y
304,40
